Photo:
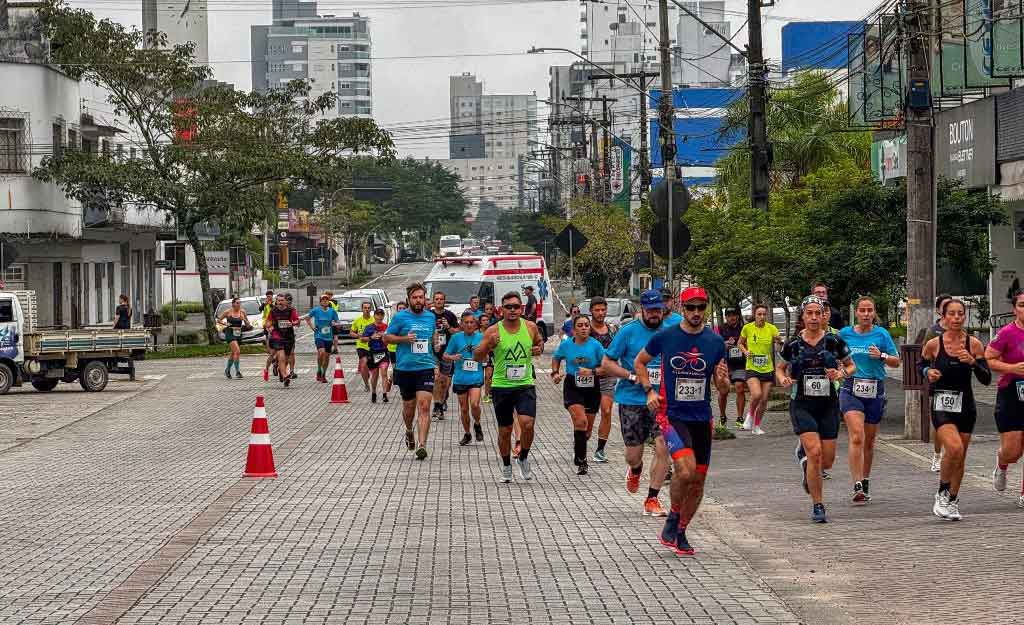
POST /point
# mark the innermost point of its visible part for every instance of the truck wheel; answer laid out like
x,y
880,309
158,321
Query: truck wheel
x,y
94,376
6,378
45,385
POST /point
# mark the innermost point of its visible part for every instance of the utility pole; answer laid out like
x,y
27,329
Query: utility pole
x,y
606,173
645,165
757,128
666,113
595,191
921,206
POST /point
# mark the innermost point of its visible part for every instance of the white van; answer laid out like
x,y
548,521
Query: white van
x,y
491,277
451,245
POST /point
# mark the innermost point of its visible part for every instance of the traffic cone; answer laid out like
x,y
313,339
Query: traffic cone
x,y
266,375
339,394
260,461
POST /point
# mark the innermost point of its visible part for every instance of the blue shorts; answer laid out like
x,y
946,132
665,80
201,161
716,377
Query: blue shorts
x,y
688,437
873,408
328,345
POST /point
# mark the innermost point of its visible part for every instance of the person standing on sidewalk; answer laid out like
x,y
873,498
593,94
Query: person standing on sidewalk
x,y
692,358
923,337
513,342
757,342
737,363
635,418
1005,355
862,397
362,347
468,376
947,362
810,363
602,332
413,331
581,394
447,325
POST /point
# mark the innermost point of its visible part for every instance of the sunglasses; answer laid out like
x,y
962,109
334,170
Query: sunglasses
x,y
511,306
693,307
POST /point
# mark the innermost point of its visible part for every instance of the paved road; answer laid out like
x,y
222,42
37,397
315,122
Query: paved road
x,y
128,507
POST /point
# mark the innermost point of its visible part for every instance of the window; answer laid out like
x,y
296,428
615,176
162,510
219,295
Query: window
x,y
86,305
12,146
15,274
346,105
58,140
332,67
345,48
98,284
346,85
7,310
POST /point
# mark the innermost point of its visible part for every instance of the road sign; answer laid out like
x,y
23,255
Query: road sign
x,y
570,240
659,199
164,264
166,236
680,239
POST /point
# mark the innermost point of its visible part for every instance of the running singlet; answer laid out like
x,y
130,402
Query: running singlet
x,y
759,344
868,368
627,343
808,363
283,324
586,356
513,360
468,372
322,320
1010,344
687,362
376,345
418,355
605,339
731,335
955,381
358,325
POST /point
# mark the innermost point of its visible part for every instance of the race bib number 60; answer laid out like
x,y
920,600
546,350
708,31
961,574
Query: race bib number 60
x,y
816,386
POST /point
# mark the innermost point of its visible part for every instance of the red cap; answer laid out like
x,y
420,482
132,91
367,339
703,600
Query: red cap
x,y
694,292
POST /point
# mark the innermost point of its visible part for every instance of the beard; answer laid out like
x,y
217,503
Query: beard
x,y
652,324
417,308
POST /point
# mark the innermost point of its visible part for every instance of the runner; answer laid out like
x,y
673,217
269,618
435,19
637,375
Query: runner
x,y
413,331
447,325
485,322
757,342
488,310
603,332
737,363
283,319
474,307
513,342
530,312
1006,356
362,347
469,375
321,320
691,356
581,393
235,320
635,418
813,359
862,398
291,357
947,362
392,354
567,325
923,337
833,316
268,305
672,318
377,361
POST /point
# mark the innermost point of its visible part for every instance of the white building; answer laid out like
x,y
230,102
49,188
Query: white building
x,y
182,21
487,179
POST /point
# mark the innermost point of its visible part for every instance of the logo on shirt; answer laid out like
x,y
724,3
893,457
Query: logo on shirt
x,y
688,362
517,352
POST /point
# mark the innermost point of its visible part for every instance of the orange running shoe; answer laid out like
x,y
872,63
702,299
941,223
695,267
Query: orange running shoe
x,y
652,507
632,481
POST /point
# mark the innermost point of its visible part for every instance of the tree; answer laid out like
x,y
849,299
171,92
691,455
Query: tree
x,y
348,223
209,155
613,241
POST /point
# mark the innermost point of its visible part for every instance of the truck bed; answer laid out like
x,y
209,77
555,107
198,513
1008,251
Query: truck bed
x,y
106,340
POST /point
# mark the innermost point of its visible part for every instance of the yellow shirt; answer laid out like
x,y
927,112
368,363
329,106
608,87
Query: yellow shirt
x,y
760,342
358,325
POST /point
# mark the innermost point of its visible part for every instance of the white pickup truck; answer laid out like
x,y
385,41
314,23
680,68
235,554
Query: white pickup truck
x,y
44,358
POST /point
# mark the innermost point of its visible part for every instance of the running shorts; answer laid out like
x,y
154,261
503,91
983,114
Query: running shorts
x,y
738,375
324,344
522,400
377,360
689,437
608,384
638,425
282,345
462,389
411,382
963,420
757,375
589,398
1009,410
362,353
873,408
445,367
815,415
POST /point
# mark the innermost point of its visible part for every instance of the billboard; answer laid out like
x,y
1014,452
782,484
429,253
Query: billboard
x,y
1007,38
965,139
889,158
699,141
816,45
978,60
620,156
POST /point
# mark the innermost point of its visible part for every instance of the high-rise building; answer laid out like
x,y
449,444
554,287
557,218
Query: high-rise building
x,y
181,21
489,126
708,59
331,52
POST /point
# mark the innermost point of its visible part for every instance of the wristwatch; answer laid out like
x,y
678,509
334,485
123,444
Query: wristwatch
x,y
632,378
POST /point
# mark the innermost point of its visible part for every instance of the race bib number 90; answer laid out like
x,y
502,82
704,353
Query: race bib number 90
x,y
419,347
690,389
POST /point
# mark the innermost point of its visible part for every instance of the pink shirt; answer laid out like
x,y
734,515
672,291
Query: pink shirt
x,y
1010,343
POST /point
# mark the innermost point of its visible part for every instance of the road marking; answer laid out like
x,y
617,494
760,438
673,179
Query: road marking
x,y
155,378
201,376
386,272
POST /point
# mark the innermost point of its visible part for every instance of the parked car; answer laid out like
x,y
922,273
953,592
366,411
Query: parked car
x,y
252,307
620,310
350,306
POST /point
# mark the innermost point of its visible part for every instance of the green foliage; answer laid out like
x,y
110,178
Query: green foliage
x,y
200,351
190,308
613,241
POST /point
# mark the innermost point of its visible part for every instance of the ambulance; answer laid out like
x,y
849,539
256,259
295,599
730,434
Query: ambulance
x,y
491,277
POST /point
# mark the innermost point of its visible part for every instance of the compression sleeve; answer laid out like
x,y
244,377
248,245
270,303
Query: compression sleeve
x,y
982,371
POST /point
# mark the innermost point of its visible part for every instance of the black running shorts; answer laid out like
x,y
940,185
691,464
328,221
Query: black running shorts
x,y
815,415
411,382
522,400
1009,410
589,398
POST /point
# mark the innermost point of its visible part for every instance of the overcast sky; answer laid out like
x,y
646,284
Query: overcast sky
x,y
415,88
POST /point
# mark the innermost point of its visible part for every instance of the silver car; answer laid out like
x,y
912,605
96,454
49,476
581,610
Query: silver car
x,y
253,310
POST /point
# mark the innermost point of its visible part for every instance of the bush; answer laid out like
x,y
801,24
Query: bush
x,y
199,351
898,332
165,314
190,308
190,338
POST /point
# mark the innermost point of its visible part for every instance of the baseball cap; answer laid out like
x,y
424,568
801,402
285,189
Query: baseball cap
x,y
651,299
693,292
666,293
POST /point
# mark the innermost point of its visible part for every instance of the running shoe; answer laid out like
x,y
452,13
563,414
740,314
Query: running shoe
x,y
825,475
858,493
524,468
936,462
373,398
599,456
632,480
953,510
801,458
818,513
293,376
748,422
757,430
653,507
506,474
421,453
366,387
941,506
582,468
410,440
722,421
998,477
682,546
383,398
227,373
466,439
477,430
669,533
238,375
867,492
287,381
1020,501
277,372
739,423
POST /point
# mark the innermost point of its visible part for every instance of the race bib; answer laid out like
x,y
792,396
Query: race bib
x,y
654,373
759,361
949,401
584,381
420,347
515,373
470,365
816,386
1020,390
735,352
442,339
284,324
690,389
379,357
865,389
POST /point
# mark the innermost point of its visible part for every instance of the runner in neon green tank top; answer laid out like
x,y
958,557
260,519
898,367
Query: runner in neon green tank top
x,y
513,342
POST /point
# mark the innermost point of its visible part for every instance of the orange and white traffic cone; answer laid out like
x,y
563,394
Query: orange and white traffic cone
x,y
339,393
266,375
260,461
